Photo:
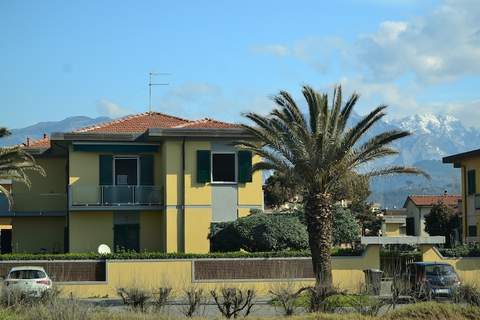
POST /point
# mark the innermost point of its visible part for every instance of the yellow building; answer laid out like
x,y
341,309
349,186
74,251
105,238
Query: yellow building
x,y
469,164
146,182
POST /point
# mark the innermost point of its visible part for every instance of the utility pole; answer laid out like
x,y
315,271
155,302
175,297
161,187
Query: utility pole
x,y
150,84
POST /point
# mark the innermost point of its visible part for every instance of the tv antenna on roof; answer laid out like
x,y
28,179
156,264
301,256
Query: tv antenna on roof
x,y
150,84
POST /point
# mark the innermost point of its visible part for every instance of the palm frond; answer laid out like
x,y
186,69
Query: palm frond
x,y
388,171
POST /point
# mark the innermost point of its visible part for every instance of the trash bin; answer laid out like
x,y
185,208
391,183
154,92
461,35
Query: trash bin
x,y
373,281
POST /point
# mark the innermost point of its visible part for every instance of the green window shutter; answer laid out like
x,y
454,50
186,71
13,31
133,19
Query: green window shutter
x,y
106,170
146,170
471,183
203,166
244,166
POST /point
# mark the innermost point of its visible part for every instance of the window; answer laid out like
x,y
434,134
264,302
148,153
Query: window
x,y
27,274
472,231
223,167
471,183
477,201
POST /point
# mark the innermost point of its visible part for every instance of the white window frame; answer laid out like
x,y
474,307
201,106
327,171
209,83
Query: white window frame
x,y
236,165
126,157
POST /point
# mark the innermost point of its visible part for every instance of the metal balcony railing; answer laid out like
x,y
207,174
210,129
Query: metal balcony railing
x,y
107,196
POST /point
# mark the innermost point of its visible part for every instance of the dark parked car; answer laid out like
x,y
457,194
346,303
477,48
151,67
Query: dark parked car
x,y
431,279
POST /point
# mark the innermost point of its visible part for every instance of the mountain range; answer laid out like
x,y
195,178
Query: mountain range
x,y
434,136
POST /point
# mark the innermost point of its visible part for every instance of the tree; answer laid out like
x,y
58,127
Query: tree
x,y
278,190
441,221
318,152
15,162
345,227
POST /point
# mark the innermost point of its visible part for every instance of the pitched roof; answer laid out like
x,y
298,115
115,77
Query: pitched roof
x,y
139,123
430,200
136,123
42,143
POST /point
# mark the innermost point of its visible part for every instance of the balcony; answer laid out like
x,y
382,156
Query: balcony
x,y
34,203
118,197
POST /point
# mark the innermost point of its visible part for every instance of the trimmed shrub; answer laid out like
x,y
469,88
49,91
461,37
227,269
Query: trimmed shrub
x,y
260,232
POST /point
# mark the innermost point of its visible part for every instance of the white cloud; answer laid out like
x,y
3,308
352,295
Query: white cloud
x,y
111,109
315,52
272,49
438,47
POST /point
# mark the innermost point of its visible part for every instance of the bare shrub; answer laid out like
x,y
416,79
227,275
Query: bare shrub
x,y
135,298
58,309
194,297
467,293
232,301
317,296
287,297
160,297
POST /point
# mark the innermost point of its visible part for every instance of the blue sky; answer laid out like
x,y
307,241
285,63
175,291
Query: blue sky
x,y
59,58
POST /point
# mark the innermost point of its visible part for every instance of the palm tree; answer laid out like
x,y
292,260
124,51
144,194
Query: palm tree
x,y
14,164
319,153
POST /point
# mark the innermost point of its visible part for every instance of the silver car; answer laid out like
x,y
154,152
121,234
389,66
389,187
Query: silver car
x,y
31,281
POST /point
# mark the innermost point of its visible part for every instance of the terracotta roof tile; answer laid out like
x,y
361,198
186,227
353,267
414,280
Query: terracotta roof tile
x,y
207,123
137,123
429,200
38,144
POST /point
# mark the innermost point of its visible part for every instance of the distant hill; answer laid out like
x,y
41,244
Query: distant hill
x,y
37,130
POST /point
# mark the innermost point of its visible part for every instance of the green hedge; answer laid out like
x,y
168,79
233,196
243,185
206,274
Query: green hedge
x,y
161,255
461,251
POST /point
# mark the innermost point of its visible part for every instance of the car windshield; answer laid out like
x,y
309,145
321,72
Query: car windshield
x,y
27,274
439,270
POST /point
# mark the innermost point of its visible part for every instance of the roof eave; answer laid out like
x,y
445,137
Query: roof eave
x,y
94,136
200,132
459,156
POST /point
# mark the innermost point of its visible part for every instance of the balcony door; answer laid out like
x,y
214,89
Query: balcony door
x,y
126,171
125,177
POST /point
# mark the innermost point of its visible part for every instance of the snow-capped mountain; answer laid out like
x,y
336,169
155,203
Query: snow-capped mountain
x,y
433,137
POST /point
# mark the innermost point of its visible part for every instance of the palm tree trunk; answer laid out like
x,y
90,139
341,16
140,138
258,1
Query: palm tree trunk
x,y
318,211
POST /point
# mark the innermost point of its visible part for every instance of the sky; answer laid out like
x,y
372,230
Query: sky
x,y
92,58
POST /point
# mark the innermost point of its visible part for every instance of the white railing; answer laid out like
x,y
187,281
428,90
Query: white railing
x,y
106,196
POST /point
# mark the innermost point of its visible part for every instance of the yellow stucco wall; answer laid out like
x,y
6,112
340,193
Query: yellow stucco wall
x,y
471,217
468,268
172,164
46,193
149,275
90,229
173,230
84,176
197,227
251,193
392,229
38,234
151,231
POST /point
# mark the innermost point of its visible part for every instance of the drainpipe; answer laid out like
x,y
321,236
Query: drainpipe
x,y
182,205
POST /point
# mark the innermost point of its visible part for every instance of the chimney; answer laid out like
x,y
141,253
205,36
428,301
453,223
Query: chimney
x,y
45,136
28,141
